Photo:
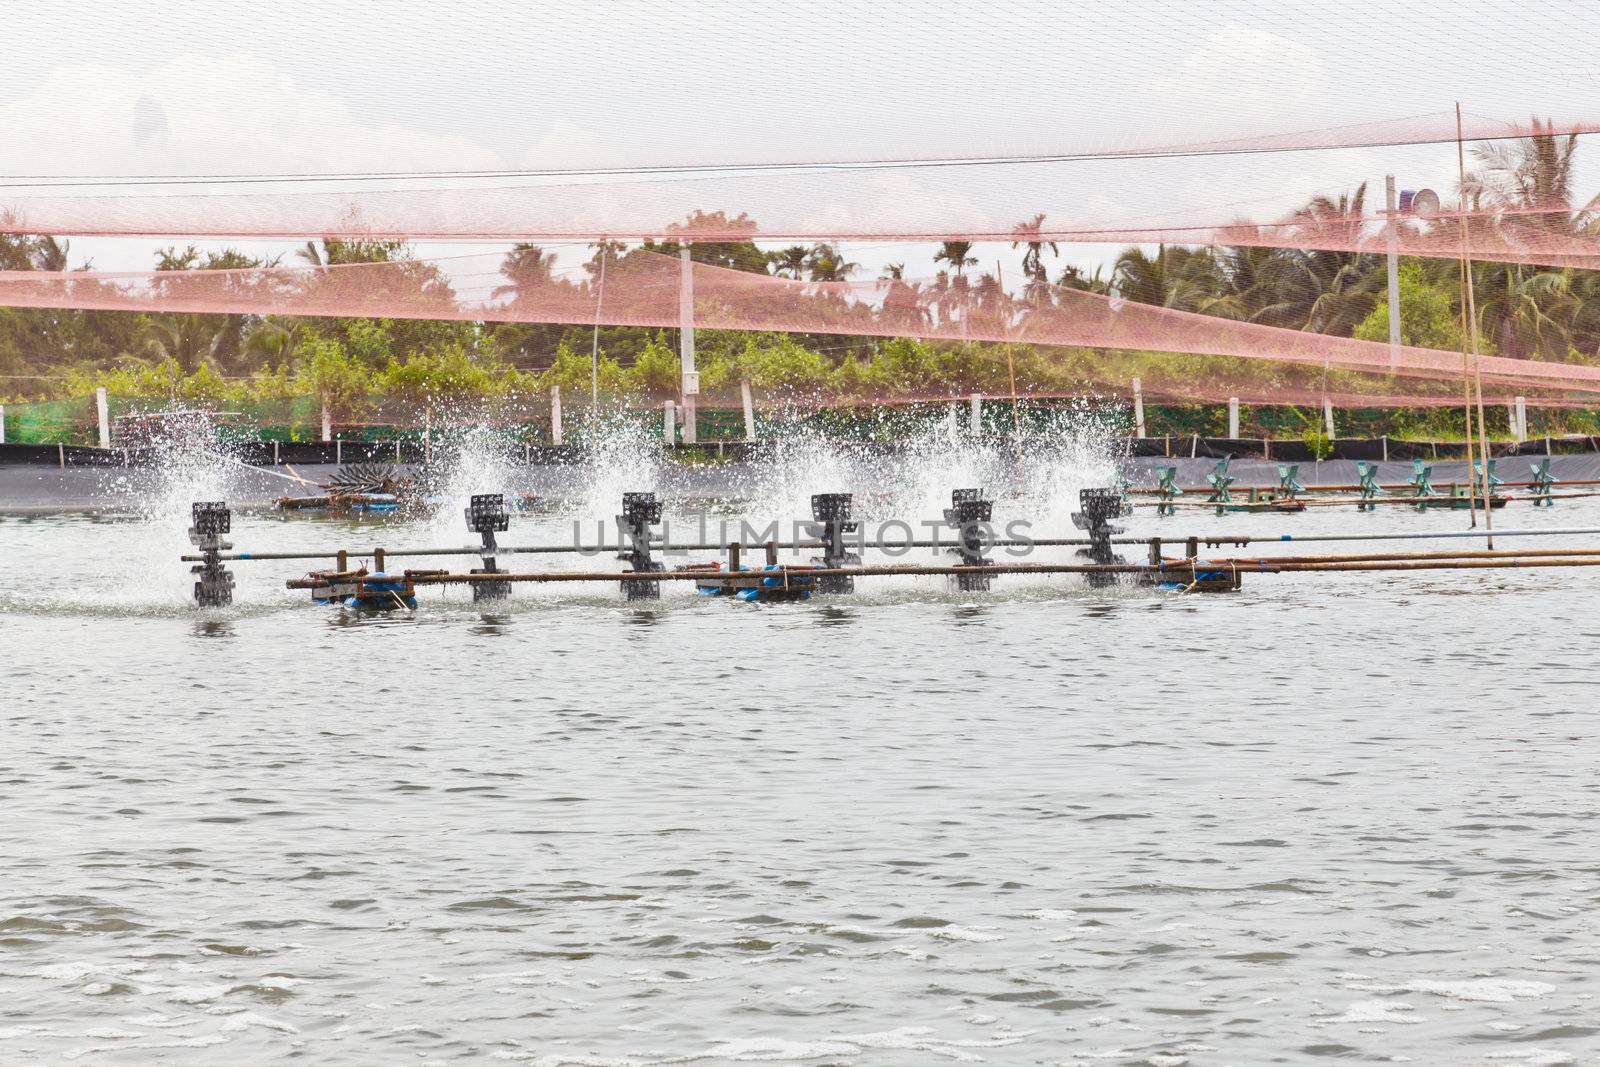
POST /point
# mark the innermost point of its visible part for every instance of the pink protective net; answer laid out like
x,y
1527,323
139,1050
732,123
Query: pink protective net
x,y
1194,193
646,289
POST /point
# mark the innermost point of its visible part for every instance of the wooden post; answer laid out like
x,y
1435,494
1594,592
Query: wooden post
x,y
61,455
1233,418
669,423
975,414
102,414
749,410
338,450
327,422
341,562
772,553
378,559
555,415
733,556
1138,408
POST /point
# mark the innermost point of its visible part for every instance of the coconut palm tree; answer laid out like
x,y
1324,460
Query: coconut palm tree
x,y
1178,278
791,262
1527,313
1027,235
957,254
527,269
190,340
827,264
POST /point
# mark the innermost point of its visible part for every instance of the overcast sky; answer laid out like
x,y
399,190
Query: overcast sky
x,y
203,87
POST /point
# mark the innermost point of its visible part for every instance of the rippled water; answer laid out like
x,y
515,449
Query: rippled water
x,y
1332,816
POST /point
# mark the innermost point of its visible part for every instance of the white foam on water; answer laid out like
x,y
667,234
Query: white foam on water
x,y
1378,1011
1486,990
961,933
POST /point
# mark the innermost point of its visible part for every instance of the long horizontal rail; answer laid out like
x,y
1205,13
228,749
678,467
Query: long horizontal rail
x,y
1146,490
1238,540
1331,564
1267,504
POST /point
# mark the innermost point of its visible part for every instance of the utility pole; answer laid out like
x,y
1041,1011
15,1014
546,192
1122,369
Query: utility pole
x,y
1393,236
691,377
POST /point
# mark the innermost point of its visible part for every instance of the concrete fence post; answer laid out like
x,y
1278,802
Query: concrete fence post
x,y
2,424
749,410
327,422
1138,408
1522,419
555,415
1327,417
1233,418
669,422
102,414
975,414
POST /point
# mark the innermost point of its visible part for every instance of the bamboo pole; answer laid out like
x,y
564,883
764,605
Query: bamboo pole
x,y
1011,368
785,574
1469,315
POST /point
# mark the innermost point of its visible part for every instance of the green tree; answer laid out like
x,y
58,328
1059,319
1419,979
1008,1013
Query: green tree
x,y
1429,317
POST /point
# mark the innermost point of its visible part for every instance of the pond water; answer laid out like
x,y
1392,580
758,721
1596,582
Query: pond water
x,y
1342,816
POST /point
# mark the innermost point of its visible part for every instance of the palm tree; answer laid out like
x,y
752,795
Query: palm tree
x,y
1027,233
791,261
274,340
827,264
527,268
190,340
1179,278
1321,290
957,254
1528,312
